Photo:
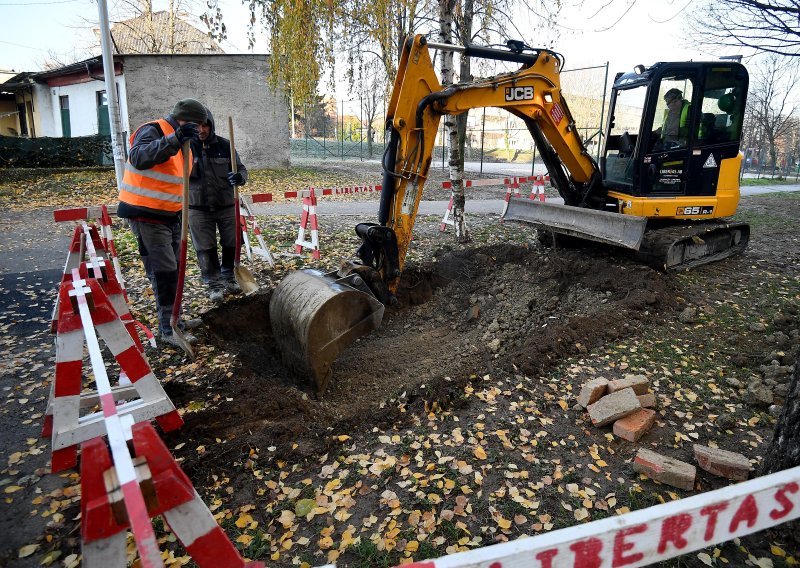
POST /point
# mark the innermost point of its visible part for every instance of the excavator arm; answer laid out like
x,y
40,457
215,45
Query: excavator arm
x,y
315,316
533,93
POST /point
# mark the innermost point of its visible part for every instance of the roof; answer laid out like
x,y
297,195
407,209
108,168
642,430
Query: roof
x,y
151,33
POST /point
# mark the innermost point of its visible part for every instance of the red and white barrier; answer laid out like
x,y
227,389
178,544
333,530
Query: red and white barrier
x,y
537,189
81,292
168,492
650,535
100,244
145,397
308,221
446,220
262,250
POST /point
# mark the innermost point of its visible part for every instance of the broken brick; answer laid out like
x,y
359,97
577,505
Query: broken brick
x,y
634,426
639,383
722,462
613,407
647,400
665,469
592,391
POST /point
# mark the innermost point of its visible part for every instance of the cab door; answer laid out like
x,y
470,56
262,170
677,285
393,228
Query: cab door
x,y
666,156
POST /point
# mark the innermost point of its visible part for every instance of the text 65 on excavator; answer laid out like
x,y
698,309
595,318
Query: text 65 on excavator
x,y
668,175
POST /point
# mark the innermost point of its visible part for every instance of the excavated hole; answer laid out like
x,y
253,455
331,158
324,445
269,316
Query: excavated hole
x,y
497,310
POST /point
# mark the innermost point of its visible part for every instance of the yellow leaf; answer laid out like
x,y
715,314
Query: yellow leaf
x,y
50,557
777,550
563,404
478,453
244,520
504,524
27,550
12,488
325,543
244,539
343,438
581,514
412,546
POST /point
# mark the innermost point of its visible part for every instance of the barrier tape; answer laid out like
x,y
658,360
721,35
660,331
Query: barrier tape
x,y
135,506
650,535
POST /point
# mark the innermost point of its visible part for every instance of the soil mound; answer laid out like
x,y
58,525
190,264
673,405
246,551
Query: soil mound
x,y
506,308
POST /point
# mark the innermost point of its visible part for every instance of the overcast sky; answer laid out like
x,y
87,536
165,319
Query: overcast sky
x,y
589,35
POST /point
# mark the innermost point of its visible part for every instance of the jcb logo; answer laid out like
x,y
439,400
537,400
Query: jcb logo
x,y
519,93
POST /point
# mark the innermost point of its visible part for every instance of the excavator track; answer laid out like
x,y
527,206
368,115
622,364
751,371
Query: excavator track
x,y
682,247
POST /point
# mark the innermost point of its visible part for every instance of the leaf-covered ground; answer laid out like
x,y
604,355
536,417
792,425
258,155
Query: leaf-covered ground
x,y
453,426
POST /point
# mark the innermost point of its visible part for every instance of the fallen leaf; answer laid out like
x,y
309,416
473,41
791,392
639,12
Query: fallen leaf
x,y
27,550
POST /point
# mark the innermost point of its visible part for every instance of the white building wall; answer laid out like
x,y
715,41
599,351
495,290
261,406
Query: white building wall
x,y
82,107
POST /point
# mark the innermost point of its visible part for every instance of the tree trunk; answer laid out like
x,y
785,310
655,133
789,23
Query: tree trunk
x,y
784,450
465,74
455,161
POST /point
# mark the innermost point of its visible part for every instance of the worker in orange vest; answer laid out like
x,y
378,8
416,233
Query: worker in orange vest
x,y
150,198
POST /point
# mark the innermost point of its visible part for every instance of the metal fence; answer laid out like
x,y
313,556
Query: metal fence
x,y
354,128
757,163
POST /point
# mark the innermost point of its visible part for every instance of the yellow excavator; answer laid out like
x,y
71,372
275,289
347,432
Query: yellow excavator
x,y
667,177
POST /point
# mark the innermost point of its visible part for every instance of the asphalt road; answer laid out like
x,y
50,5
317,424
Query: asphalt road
x,y
367,208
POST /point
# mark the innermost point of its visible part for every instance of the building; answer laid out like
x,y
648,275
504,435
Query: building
x,y
71,101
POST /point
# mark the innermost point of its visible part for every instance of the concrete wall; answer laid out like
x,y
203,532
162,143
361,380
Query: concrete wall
x,y
234,85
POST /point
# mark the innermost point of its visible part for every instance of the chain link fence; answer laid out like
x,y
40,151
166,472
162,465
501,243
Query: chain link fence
x,y
758,164
354,128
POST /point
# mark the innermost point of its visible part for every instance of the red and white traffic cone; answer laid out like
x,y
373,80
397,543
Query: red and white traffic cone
x,y
308,221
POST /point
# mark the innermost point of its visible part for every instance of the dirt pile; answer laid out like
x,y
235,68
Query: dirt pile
x,y
503,308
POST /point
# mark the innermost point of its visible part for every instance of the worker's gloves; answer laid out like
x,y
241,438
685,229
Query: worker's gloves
x,y
187,132
235,178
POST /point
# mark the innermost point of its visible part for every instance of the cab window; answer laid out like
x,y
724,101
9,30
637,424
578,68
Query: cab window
x,y
722,107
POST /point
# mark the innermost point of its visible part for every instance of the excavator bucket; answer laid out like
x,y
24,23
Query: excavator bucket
x,y
601,226
316,315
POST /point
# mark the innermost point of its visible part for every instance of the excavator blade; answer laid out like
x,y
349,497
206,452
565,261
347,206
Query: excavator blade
x,y
602,226
315,316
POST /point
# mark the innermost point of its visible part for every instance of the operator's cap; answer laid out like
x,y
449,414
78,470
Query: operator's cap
x,y
190,110
672,94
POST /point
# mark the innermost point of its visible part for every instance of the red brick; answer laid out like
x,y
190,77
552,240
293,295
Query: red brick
x,y
613,407
665,469
722,462
592,391
647,400
639,383
634,426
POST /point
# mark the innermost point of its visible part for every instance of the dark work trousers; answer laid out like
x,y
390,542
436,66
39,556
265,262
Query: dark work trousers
x,y
159,247
204,226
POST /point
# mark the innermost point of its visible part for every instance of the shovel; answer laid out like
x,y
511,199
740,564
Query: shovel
x,y
176,307
243,276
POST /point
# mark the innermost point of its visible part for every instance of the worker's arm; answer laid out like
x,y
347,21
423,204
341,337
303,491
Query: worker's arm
x,y
150,147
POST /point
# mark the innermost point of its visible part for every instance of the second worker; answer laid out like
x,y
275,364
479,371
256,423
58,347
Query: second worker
x,y
211,203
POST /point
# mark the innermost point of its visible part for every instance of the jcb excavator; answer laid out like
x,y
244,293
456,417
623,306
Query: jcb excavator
x,y
667,175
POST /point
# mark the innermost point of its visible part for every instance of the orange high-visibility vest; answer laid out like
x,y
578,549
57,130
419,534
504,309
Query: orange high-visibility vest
x,y
160,187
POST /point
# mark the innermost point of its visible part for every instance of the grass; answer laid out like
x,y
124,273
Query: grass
x,y
791,180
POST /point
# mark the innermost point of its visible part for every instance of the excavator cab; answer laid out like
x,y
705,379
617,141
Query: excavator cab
x,y
673,132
